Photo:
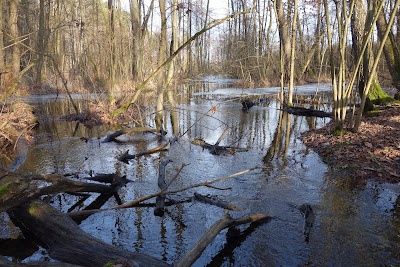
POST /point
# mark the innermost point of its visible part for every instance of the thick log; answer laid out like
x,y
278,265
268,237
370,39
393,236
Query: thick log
x,y
16,189
194,253
111,178
217,150
66,242
111,137
308,112
126,156
216,202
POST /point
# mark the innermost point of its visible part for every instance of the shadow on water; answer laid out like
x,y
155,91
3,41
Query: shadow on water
x,y
355,222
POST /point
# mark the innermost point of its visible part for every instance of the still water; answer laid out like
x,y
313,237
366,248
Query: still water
x,y
356,222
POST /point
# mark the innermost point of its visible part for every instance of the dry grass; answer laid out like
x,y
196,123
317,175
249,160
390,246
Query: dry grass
x,y
98,113
16,122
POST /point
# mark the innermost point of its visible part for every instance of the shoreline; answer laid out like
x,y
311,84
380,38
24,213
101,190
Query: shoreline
x,y
373,153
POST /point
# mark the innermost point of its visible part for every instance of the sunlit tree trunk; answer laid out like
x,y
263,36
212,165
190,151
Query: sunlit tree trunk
x,y
112,49
14,34
2,54
137,38
43,36
284,40
161,59
360,23
292,57
390,51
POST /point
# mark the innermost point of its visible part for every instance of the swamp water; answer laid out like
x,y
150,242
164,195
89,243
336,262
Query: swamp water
x,y
356,223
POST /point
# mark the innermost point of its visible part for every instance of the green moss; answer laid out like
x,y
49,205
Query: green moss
x,y
4,189
338,131
373,113
33,207
343,144
109,264
349,167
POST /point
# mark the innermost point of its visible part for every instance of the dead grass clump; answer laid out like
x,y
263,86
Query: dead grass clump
x,y
16,122
98,113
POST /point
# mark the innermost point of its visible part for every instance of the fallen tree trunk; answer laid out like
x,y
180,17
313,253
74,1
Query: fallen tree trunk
x,y
126,156
226,221
16,188
67,242
216,202
111,137
216,149
308,112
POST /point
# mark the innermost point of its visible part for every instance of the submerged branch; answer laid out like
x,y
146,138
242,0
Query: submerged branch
x,y
162,192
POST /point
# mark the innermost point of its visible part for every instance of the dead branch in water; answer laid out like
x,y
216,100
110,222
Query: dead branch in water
x,y
226,221
21,188
139,200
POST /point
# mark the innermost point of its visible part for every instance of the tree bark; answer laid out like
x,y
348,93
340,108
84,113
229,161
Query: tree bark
x,y
390,50
66,242
14,34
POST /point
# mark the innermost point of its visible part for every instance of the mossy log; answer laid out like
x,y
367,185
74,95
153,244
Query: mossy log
x,y
67,242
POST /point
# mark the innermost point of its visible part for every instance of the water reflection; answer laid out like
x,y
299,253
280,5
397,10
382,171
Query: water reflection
x,y
356,223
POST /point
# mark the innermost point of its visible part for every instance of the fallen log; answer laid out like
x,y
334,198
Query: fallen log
x,y
111,137
216,202
217,150
67,242
17,188
307,112
226,221
111,178
126,156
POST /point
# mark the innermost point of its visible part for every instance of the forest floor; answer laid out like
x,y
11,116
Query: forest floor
x,y
371,153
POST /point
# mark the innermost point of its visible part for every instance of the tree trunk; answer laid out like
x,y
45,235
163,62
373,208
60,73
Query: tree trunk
x,y
67,242
292,55
137,38
161,59
390,50
2,58
284,41
14,34
360,23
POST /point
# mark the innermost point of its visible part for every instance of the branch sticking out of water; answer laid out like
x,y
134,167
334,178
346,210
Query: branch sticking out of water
x,y
162,192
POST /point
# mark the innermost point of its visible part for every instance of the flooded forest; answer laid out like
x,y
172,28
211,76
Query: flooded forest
x,y
197,133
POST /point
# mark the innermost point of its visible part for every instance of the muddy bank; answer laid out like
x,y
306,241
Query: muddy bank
x,y
372,153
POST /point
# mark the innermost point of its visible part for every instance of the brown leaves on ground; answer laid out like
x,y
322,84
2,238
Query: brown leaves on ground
x,y
16,122
373,152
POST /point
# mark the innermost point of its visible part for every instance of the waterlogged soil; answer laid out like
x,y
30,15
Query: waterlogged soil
x,y
371,153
